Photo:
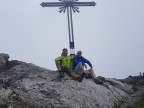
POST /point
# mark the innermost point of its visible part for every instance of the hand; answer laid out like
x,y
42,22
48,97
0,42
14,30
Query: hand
x,y
91,69
85,66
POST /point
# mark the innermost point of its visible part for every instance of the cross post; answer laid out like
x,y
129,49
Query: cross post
x,y
69,6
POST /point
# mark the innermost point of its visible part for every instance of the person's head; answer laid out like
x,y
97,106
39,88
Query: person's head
x,y
79,53
64,51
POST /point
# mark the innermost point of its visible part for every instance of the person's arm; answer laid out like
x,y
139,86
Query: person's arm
x,y
85,66
88,62
58,58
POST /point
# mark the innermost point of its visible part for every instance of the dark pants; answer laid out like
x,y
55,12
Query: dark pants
x,y
67,70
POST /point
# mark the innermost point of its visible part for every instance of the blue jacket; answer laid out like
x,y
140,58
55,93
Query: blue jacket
x,y
81,59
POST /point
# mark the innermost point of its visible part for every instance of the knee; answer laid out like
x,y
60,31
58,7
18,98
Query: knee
x,y
80,64
91,70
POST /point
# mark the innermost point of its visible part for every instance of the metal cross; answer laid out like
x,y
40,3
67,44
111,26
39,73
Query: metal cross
x,y
69,6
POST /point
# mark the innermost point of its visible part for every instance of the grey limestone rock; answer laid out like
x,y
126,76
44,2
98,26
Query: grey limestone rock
x,y
25,85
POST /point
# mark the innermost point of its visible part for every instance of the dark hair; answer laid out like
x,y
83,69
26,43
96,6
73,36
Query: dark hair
x,y
65,49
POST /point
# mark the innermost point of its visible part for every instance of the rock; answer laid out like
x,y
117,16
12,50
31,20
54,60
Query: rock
x,y
135,80
24,85
3,61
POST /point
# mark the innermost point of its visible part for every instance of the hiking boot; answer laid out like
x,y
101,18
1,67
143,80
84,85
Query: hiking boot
x,y
83,75
86,76
61,74
97,81
80,78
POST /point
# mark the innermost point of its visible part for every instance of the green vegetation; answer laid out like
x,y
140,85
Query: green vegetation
x,y
138,104
135,89
3,106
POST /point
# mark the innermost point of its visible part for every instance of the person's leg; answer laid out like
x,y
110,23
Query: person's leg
x,y
92,74
76,77
73,75
58,65
88,74
96,80
81,68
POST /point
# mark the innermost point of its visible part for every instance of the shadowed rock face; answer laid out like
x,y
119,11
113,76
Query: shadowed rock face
x,y
3,61
24,85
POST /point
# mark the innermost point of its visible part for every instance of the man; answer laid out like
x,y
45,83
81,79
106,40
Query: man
x,y
79,64
63,64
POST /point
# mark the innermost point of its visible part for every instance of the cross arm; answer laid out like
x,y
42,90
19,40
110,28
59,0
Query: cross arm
x,y
66,4
84,4
52,4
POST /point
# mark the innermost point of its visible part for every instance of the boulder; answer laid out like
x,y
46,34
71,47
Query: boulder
x,y
25,85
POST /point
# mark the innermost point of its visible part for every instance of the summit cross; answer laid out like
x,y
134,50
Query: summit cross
x,y
69,6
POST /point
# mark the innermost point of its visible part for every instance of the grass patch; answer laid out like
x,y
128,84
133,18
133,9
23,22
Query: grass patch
x,y
138,104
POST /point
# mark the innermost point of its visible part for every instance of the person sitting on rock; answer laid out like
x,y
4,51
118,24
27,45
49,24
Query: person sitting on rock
x,y
63,64
79,64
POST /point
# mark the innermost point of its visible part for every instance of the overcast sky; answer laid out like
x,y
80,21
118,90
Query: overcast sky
x,y
111,34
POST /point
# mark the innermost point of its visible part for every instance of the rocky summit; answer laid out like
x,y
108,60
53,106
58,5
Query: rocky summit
x,y
25,85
